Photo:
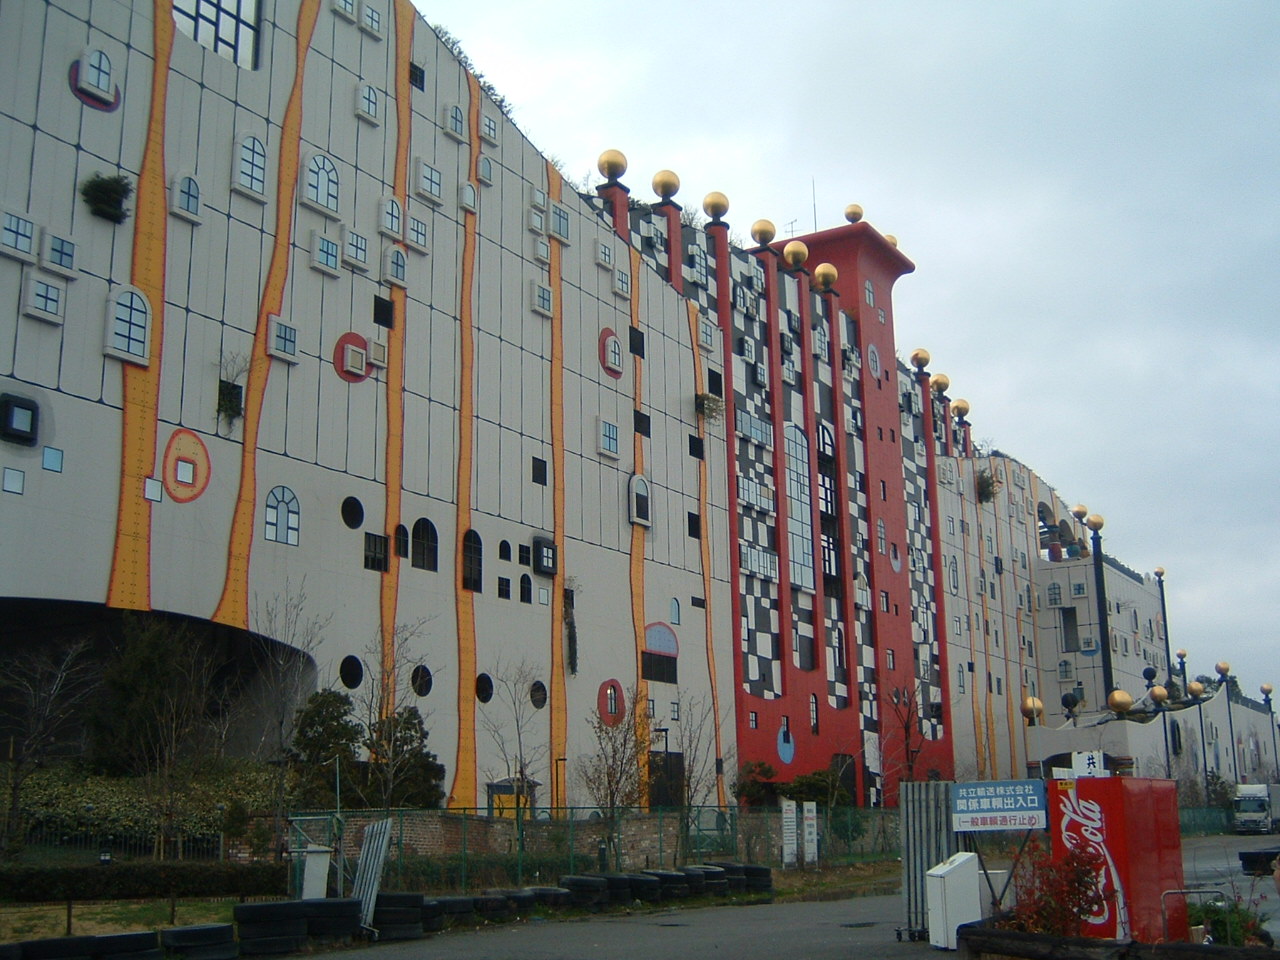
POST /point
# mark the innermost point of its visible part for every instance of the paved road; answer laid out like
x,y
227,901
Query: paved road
x,y
806,931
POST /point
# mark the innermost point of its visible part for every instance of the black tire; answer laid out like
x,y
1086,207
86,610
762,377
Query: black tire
x,y
432,908
696,880
331,907
644,887
155,953
274,910
491,903
456,905
56,948
227,950
736,883
404,900
111,944
10,951
756,870
718,888
271,928
551,896
433,924
394,915
710,871
730,867
177,939
399,931
322,928
272,946
759,884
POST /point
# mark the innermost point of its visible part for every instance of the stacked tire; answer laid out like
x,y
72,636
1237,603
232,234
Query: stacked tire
x,y
492,907
520,903
733,874
334,920
673,883
759,878
715,882
398,916
268,929
696,879
432,916
551,896
617,886
589,892
128,946
458,911
204,941
645,887
59,948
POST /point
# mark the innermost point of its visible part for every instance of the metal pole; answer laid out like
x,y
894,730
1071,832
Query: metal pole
x,y
1164,616
1271,713
1224,671
1164,716
1100,588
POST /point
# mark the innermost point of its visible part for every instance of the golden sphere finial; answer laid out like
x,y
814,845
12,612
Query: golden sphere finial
x,y
1159,694
1159,572
666,184
1119,701
1079,511
763,232
795,253
612,164
715,204
1180,653
1195,688
1094,522
920,358
1222,668
826,275
1266,689
1032,707
960,407
940,382
853,212
891,240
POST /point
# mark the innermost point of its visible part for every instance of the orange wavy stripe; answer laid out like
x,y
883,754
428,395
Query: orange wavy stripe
x,y
559,704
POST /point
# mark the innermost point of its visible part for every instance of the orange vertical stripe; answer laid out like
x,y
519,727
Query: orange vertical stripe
x,y
559,704
233,607
637,544
130,582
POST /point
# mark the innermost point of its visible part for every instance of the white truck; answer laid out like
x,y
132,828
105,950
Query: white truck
x,y
1257,807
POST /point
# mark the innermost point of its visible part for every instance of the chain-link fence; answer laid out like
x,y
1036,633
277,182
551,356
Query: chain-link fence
x,y
52,847
471,849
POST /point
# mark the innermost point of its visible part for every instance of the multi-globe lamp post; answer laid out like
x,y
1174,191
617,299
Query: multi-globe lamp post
x,y
1095,523
1266,689
1033,710
1158,694
1223,669
1195,689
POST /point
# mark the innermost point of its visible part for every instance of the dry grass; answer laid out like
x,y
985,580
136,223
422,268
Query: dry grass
x,y
837,883
33,921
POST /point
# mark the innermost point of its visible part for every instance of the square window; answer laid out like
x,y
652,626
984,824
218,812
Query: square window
x,y
52,459
695,526
542,249
604,254
707,331
560,223
642,423
636,341
542,300
375,553
19,419
608,438
417,77
324,254
539,473
355,251
544,556
185,472
430,182
15,481
153,489
371,21
544,596
45,300
384,312
345,8
538,198
695,446
417,233
504,588
284,340
489,128
18,237
537,221
715,383
59,255
622,283
525,555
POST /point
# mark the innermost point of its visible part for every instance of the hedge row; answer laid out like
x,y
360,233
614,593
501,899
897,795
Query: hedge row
x,y
141,879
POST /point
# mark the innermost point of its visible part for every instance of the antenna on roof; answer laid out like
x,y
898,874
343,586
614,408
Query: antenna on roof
x,y
813,186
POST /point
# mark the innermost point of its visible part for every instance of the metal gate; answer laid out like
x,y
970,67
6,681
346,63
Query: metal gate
x,y
927,840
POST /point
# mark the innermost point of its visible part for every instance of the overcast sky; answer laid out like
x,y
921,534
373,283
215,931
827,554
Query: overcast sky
x,y
1088,191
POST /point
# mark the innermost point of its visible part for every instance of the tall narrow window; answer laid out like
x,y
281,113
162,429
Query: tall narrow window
x,y
526,589
322,182
800,526
640,500
472,562
675,611
252,173
282,516
402,540
424,545
881,544
869,291
457,121
131,324
392,217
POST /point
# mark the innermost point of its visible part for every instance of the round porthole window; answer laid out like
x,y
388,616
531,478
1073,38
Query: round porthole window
x,y
538,694
351,671
352,513
484,688
421,680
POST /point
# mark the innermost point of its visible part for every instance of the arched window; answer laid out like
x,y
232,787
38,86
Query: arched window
x,y
95,73
504,550
397,266
282,516
813,712
484,170
468,196
369,101
800,529
187,199
131,324
639,497
322,182
613,354
424,545
252,174
472,562
1054,593
526,589
869,291
457,121
675,611
393,218
402,541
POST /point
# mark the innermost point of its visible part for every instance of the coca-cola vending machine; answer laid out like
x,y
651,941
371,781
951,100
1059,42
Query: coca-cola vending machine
x,y
1133,823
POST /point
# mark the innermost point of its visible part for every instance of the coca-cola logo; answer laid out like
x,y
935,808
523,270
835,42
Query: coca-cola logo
x,y
1083,827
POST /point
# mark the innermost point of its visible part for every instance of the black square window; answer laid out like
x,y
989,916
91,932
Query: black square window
x,y
637,341
19,419
658,667
695,446
417,77
375,552
526,555
642,423
384,312
539,471
504,588
715,383
695,526
699,602
544,556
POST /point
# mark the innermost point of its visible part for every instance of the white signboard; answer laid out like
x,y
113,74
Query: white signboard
x,y
810,831
999,805
788,833
1088,763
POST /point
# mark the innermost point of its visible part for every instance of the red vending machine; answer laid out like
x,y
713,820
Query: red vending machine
x,y
1133,823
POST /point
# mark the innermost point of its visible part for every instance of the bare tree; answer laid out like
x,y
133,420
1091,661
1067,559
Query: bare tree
x,y
42,692
905,717
511,720
611,774
691,730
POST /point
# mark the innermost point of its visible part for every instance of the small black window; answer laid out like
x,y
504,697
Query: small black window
x,y
484,688
421,680
352,512
526,589
695,446
472,562
700,602
504,550
375,552
19,419
539,471
402,541
384,312
658,667
417,77
544,556
526,555
715,383
637,341
642,423
695,525
351,671
424,545
538,694
504,588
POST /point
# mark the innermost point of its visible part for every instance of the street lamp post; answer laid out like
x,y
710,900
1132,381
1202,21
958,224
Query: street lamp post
x,y
1158,696
666,765
1164,618
1032,710
1196,689
1224,671
1095,523
1267,689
